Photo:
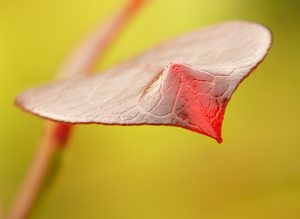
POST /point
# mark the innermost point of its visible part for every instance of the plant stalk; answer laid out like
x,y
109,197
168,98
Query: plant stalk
x,y
56,135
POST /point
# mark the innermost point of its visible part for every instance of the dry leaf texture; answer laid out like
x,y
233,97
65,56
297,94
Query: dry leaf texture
x,y
185,82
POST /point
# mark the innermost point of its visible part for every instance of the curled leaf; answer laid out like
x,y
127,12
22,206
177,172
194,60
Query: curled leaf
x,y
185,82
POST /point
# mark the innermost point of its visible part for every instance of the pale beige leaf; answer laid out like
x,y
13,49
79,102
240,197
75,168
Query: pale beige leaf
x,y
186,82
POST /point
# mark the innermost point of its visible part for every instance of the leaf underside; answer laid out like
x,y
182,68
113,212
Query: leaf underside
x,y
185,82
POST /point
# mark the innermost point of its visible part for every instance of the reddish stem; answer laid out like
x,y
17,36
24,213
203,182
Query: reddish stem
x,y
41,162
56,135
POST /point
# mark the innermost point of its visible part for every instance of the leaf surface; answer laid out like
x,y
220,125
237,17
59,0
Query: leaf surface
x,y
185,82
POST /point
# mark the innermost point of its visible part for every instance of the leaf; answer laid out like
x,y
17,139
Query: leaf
x,y
186,82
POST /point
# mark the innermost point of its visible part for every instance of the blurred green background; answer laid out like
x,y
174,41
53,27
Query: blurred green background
x,y
156,172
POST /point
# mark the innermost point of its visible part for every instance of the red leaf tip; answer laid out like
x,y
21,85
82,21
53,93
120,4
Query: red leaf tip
x,y
198,104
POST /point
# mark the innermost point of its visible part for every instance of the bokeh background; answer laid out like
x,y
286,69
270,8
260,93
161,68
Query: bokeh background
x,y
155,172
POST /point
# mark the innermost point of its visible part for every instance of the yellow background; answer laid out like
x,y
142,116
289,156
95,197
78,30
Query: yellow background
x,y
155,172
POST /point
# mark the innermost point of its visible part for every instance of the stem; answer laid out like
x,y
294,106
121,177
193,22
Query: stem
x,y
46,148
1,210
56,135
85,56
